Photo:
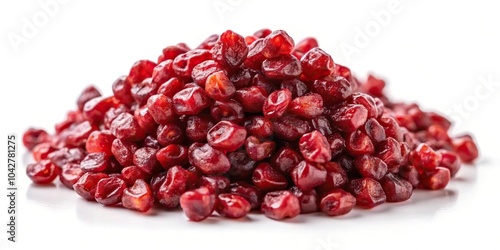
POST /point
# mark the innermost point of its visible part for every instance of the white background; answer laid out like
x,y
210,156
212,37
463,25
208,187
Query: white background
x,y
435,52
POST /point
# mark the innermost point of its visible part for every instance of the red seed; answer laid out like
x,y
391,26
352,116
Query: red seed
x,y
337,202
138,197
368,192
232,206
226,136
267,179
109,191
87,184
308,175
43,172
198,204
279,205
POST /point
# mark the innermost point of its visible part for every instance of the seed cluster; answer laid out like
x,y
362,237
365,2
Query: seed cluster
x,y
243,123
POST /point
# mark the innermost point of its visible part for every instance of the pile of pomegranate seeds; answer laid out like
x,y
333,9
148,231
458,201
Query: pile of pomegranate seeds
x,y
246,123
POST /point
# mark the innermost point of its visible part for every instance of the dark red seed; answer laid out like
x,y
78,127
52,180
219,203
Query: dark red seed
x,y
33,137
297,87
282,67
145,159
251,193
160,108
337,202
307,106
466,148
337,144
171,52
259,126
197,127
279,205
269,85
219,87
227,110
336,177
358,143
132,173
125,127
240,78
374,130
259,150
198,204
100,141
285,159
145,120
191,101
316,64
242,166
333,90
370,166
163,72
389,151
251,98
143,90
202,71
184,63
277,43
368,192
141,70
208,159
121,90
267,179
230,49
411,174
172,155
306,44
226,136
290,128
109,191
66,155
169,133
348,118
232,206
308,200
396,188
277,103
112,113
95,162
435,179
87,94
95,109
255,57
308,175
42,150
138,197
87,184
70,174
450,160
171,87
43,172
216,183
172,187
425,157
315,147
123,151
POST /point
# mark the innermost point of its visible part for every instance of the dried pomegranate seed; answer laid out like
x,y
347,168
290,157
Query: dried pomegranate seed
x,y
230,49
337,202
368,192
277,43
198,204
247,191
42,150
370,166
95,162
226,136
450,160
172,155
259,150
132,173
277,103
395,188
308,175
336,177
308,200
43,172
138,197
267,179
466,148
87,94
425,157
70,174
219,87
232,206
87,184
435,179
334,90
190,101
285,159
208,159
315,147
216,183
100,141
307,106
279,205
109,191
316,63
